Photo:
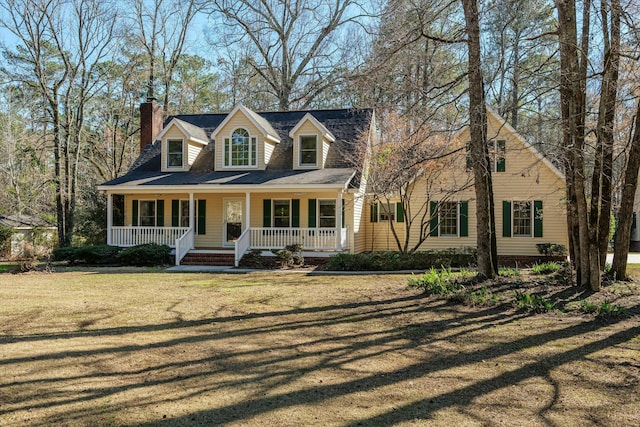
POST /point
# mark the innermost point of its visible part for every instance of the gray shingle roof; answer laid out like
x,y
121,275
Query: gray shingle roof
x,y
193,130
26,221
345,124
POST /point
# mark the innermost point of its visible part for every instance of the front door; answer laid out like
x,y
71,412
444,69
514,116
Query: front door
x,y
233,215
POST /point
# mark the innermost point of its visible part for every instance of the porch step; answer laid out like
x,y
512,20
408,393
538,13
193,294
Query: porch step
x,y
208,259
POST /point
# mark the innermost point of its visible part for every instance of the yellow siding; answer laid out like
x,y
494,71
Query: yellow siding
x,y
359,232
190,150
308,128
172,133
193,150
268,151
258,198
325,151
215,211
239,120
526,178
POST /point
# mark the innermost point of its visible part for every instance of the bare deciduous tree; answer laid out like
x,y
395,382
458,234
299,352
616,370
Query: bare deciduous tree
x,y
61,46
295,46
413,166
478,147
161,30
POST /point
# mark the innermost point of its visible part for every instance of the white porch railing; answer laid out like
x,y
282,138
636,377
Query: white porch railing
x,y
132,236
184,244
242,245
311,239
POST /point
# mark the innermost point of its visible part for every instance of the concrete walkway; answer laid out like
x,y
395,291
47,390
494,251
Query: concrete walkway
x,y
632,258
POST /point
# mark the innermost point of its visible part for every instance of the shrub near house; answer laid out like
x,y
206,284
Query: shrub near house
x,y
230,183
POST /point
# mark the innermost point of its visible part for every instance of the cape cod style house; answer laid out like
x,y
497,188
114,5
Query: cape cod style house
x,y
227,183
221,184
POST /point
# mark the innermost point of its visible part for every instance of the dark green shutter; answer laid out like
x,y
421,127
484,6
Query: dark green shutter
x,y
266,213
159,213
634,221
501,162
202,217
464,219
175,213
537,218
295,212
469,159
134,213
506,218
373,212
433,211
312,212
399,212
226,149
342,225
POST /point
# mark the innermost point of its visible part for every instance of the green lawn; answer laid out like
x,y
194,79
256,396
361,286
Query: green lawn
x,y
132,347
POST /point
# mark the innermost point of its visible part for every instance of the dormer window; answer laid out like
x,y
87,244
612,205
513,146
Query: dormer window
x,y
308,150
311,140
175,153
240,150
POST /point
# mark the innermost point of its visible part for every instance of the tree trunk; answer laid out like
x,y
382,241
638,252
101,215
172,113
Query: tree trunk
x,y
625,215
486,238
606,120
573,64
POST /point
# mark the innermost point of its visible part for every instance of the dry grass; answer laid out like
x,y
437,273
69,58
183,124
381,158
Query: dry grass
x,y
132,348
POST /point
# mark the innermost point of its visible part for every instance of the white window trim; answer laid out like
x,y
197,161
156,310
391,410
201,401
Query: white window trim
x,y
224,151
494,155
167,156
224,222
273,212
335,213
440,234
392,212
155,212
531,219
318,144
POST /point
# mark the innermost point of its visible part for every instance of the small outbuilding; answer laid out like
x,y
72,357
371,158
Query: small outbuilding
x,y
24,234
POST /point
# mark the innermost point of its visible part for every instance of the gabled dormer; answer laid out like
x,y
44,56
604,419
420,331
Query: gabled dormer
x,y
311,141
244,140
181,144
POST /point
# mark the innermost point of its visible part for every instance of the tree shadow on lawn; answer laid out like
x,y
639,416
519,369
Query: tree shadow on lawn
x,y
269,366
425,409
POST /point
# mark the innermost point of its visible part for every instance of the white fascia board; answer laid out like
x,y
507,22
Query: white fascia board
x,y
248,114
204,188
326,134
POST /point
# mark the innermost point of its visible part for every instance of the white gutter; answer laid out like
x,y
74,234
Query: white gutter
x,y
221,188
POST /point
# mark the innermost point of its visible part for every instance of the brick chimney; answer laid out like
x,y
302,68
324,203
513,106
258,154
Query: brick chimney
x,y
151,118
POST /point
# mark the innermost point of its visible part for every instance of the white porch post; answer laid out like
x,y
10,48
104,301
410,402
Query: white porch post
x,y
339,220
192,214
247,210
109,217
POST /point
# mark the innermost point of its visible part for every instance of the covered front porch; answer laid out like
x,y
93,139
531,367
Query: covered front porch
x,y
229,222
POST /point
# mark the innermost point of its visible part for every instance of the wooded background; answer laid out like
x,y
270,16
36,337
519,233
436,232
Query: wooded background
x,y
563,73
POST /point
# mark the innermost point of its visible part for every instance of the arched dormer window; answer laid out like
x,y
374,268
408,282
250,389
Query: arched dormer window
x,y
240,149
